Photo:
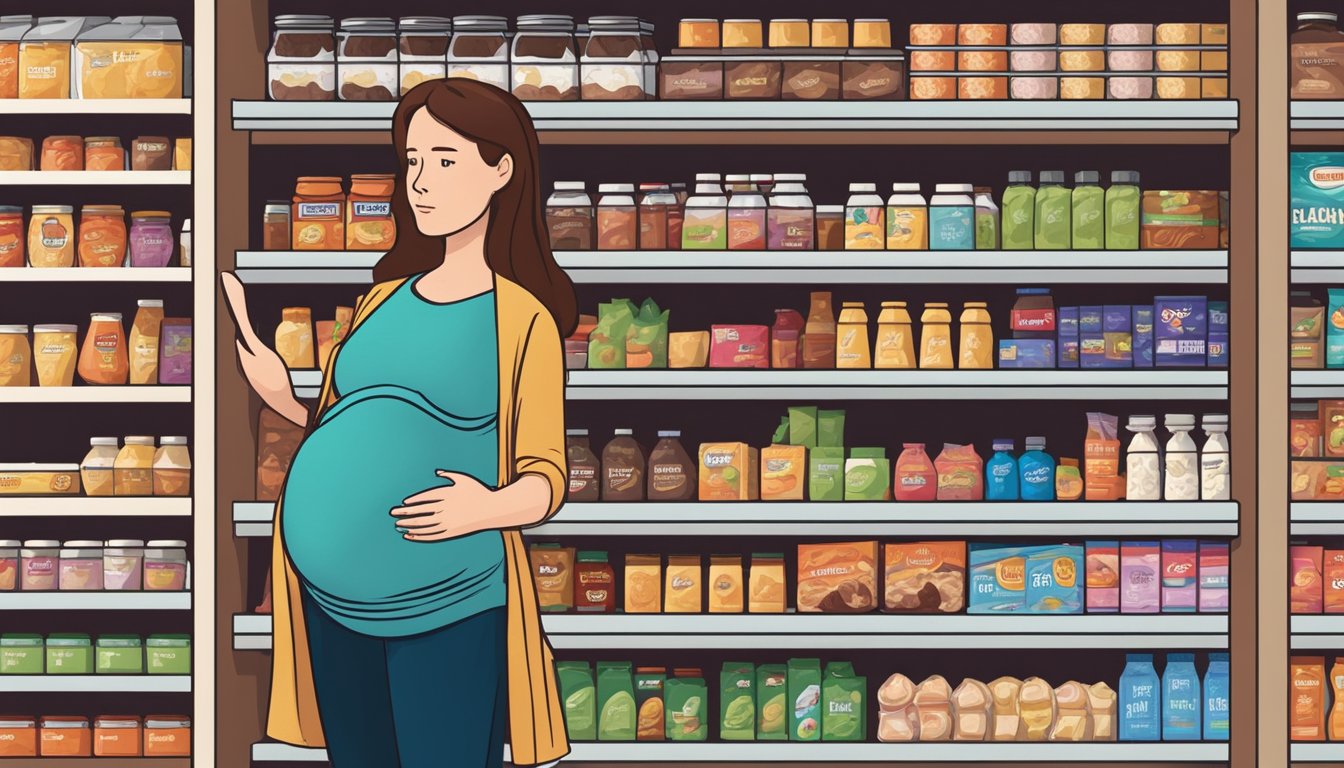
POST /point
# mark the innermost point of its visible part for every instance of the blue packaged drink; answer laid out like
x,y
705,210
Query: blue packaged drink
x,y
1140,700
1143,335
1068,337
1219,336
1181,700
1001,473
1217,699
1036,469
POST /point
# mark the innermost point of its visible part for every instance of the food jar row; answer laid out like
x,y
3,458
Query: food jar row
x,y
76,654
1067,35
784,33
91,57
1065,59
117,565
1092,87
103,238
322,217
742,74
107,736
157,351
94,153
136,469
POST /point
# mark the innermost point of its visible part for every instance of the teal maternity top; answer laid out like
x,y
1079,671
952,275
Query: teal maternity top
x,y
418,391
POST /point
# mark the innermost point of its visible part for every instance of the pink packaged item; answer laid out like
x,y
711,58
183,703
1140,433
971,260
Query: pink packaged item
x,y
739,346
1180,576
1102,566
1213,576
1140,577
916,478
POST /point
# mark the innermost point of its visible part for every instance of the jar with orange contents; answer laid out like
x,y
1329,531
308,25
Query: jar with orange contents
x,y
11,236
318,215
104,153
102,236
62,153
368,215
51,236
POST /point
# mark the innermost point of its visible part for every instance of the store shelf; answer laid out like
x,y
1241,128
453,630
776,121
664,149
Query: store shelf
x,y
1317,632
95,683
1317,384
92,394
1316,115
95,601
93,178
93,275
306,267
955,519
95,107
86,506
830,753
1316,518
608,118
1316,267
101,762
1318,753
846,632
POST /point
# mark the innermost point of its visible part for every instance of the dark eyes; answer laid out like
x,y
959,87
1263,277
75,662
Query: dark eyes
x,y
412,161
446,163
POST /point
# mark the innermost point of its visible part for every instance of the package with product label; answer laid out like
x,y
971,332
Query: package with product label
x,y
1214,558
649,685
1143,335
1316,188
844,699
826,474
1053,585
1332,565
837,578
1334,329
1140,577
1091,339
1027,353
1220,336
1180,331
783,472
924,577
615,701
1117,328
998,579
737,701
728,472
772,702
579,695
805,696
1180,576
687,706
1101,459
1307,591
1308,694
916,476
739,346
1069,337
867,475
961,475
1102,566
1179,219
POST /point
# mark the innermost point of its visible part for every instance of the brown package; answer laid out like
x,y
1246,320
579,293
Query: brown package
x,y
643,583
1332,428
811,79
1307,697
925,577
277,441
623,468
837,578
1304,431
691,78
151,153
753,78
819,334
933,34
1336,725
933,703
933,61
873,78
553,572
671,470
1316,54
1158,232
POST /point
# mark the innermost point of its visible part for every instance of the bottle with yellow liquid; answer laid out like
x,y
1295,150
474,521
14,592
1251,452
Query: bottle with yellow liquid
x,y
895,337
852,350
935,341
977,336
907,219
865,220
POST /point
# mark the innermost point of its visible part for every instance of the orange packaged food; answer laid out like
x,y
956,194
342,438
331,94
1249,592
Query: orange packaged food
x,y
66,737
1332,428
167,736
368,213
62,153
116,736
1307,592
932,88
728,472
102,236
104,359
960,474
1307,697
783,468
16,153
318,215
1101,459
18,736
104,153
9,69
924,577
1304,430
933,34
51,236
837,578
1333,581
982,34
982,88
933,61
982,61
11,236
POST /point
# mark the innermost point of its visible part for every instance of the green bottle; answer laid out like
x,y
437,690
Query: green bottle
x,y
1018,224
986,220
1054,210
1089,220
1123,202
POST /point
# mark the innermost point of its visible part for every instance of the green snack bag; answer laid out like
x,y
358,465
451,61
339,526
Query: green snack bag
x,y
646,346
21,655
616,701
606,344
772,692
830,429
867,475
120,655
803,426
781,436
580,697
686,709
649,685
826,474
737,702
805,697
843,699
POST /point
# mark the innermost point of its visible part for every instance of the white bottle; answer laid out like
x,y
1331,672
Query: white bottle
x,y
1215,464
1182,460
907,219
865,219
1143,467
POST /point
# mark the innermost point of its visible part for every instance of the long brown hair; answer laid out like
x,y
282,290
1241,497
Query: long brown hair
x,y
516,244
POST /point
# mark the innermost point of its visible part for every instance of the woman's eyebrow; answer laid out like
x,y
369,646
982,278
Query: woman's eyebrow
x,y
442,149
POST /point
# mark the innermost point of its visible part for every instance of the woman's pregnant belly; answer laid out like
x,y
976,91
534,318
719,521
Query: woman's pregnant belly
x,y
374,448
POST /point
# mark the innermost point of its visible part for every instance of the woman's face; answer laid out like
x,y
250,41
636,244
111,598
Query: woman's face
x,y
448,184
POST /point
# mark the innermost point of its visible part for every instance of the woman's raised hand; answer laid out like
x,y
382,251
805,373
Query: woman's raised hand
x,y
262,366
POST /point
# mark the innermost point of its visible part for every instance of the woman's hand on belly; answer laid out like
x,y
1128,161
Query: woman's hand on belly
x,y
446,511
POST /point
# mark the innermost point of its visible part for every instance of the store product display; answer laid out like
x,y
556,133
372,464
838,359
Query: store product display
x,y
103,237
1317,711
1314,56
109,736
1317,212
1068,61
40,565
91,153
91,57
1316,329
156,351
1316,444
296,333
76,654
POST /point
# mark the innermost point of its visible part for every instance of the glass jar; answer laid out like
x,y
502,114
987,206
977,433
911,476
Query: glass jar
x,y
317,218
95,472
133,471
651,59
39,565
613,61
790,224
368,213
705,222
16,356
104,360
617,229
102,236
166,566
275,226
423,49
569,217
172,467
151,238
654,208
104,153
9,564
55,351
11,236
545,63
746,215
301,65
51,241
830,227
480,50
366,62
81,566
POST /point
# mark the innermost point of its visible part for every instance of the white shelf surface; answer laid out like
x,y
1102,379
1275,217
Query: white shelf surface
x,y
1312,115
1216,115
95,601
1316,267
1153,519
1316,518
93,506
837,752
95,106
93,275
95,683
93,394
1318,753
1317,384
94,178
1323,632
839,631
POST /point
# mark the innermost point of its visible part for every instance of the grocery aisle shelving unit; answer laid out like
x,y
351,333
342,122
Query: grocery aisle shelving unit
x,y
95,684
311,135
84,506
97,275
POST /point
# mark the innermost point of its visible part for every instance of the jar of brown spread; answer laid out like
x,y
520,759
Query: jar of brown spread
x,y
1317,53
545,63
301,65
594,583
569,217
275,226
672,475
151,153
617,228
366,62
424,49
584,467
623,468
480,49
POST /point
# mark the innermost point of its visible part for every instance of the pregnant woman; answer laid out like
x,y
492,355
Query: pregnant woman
x,y
406,623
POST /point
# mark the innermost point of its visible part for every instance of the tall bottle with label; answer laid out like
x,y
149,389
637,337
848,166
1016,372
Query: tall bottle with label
x,y
865,219
1089,218
895,337
852,350
1001,473
952,218
1037,470
672,472
705,221
1140,700
1215,466
935,342
986,220
1143,467
1182,459
907,219
1054,209
623,468
1018,222
977,337
1123,202
584,467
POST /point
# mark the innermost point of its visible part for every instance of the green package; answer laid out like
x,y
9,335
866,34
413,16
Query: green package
x,y
606,343
120,655
803,425
649,685
844,710
1089,214
168,655
781,436
772,692
686,709
21,655
867,475
1054,213
805,695
830,429
826,474
737,702
1334,329
647,343
616,701
580,697
1019,213
69,655
1123,201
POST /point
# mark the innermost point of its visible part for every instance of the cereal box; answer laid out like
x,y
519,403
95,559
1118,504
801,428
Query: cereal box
x,y
1213,576
925,577
998,579
1332,562
1140,577
1143,336
1317,192
1180,331
1180,576
1053,585
1102,567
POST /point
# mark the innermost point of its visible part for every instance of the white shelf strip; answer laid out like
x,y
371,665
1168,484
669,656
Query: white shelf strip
x,y
95,683
1316,115
1316,518
92,275
87,506
92,394
1318,753
94,178
95,601
1317,632
95,106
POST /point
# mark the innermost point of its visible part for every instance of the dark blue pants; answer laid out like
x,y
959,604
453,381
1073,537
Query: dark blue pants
x,y
427,701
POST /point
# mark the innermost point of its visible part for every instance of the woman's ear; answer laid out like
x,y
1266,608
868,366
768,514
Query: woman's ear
x,y
505,169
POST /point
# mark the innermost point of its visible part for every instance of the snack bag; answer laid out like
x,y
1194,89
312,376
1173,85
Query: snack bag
x,y
916,477
607,342
961,475
646,343
1101,459
1306,708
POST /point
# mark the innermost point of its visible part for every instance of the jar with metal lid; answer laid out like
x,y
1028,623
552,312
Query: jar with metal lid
x,y
166,566
151,238
369,225
545,61
9,564
51,236
104,153
651,59
39,564
11,236
301,65
82,566
480,50
133,471
275,226
366,62
655,207
424,49
102,236
95,472
317,217
172,467
612,65
569,217
617,227
16,356
123,565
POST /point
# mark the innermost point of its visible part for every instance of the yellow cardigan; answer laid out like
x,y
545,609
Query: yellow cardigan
x,y
531,439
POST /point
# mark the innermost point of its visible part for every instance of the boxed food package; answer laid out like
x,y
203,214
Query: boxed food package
x,y
1307,592
844,697
1179,219
1053,585
684,579
726,593
168,654
971,704
1334,328
998,579
772,698
924,577
607,342
728,472
688,349
615,701
70,654
1101,459
783,472
933,705
1028,353
1304,436
687,706
766,586
804,684
1180,331
643,583
739,346
1117,327
1143,336
1220,336
1091,340
1214,559
837,578
39,479
45,55
22,654
119,655
867,475
1069,338
133,57
826,474
737,701
1103,576
1316,188
1140,694
651,713
897,718
1180,575
1140,577
1308,695
1306,330
1332,428
961,475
